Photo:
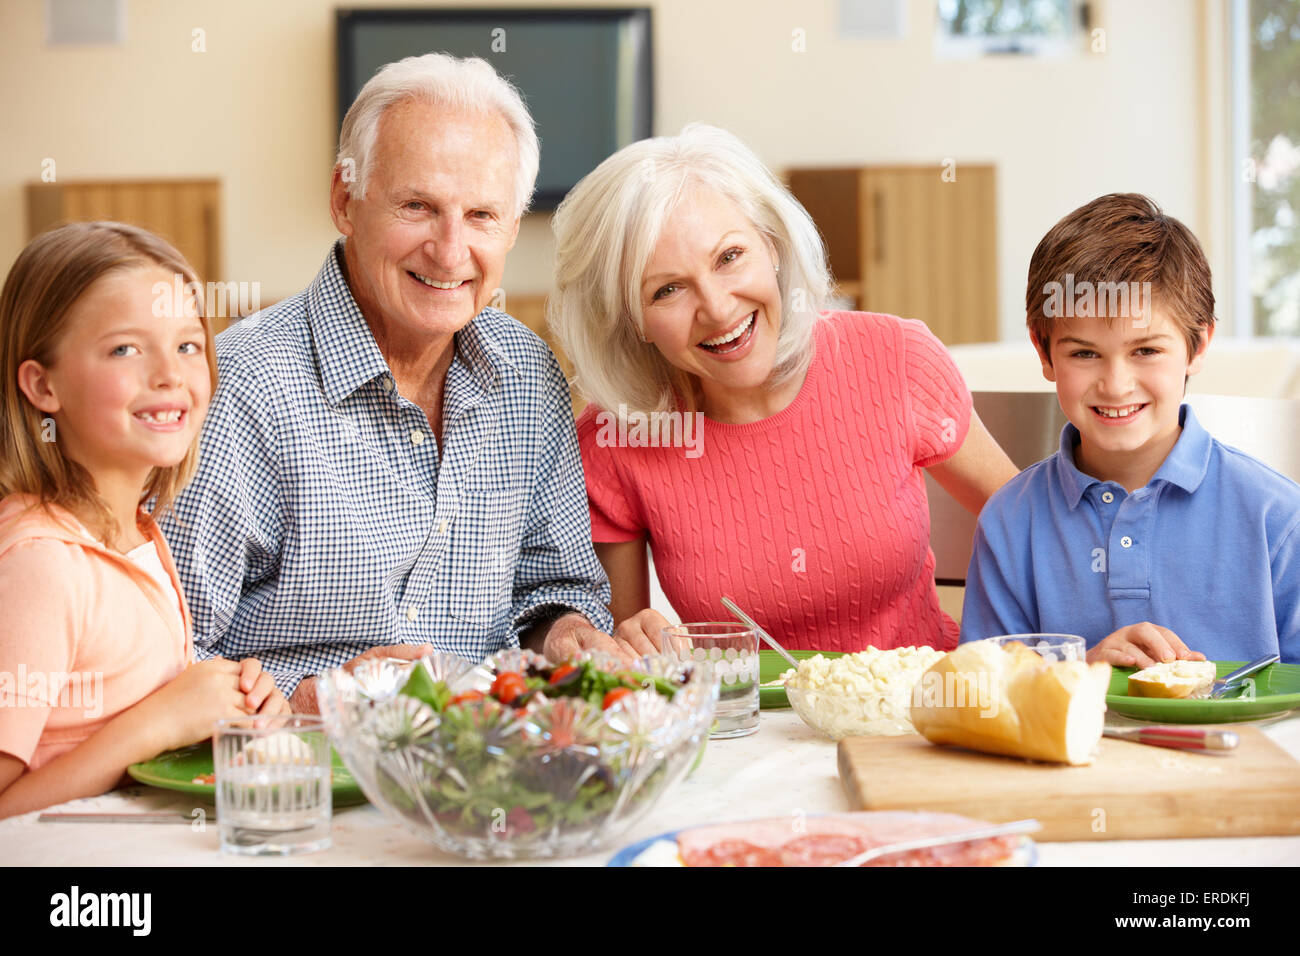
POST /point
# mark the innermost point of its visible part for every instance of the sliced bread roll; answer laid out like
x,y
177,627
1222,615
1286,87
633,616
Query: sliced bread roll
x,y
1178,679
1010,700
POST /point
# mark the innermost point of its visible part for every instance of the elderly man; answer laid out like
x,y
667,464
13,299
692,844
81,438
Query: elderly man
x,y
390,465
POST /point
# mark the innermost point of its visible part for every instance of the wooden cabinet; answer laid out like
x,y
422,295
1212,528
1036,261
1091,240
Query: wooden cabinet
x,y
908,241
184,212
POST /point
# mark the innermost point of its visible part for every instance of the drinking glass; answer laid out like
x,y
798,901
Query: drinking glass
x,y
273,784
1053,647
732,649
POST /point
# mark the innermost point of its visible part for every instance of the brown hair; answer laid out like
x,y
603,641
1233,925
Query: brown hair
x,y
49,276
1122,238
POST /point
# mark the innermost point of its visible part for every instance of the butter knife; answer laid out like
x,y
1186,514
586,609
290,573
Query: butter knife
x,y
1233,681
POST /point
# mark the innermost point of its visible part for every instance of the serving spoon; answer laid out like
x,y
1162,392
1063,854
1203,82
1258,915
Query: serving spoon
x,y
730,605
962,836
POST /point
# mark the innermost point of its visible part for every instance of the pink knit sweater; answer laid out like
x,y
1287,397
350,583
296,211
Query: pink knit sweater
x,y
814,520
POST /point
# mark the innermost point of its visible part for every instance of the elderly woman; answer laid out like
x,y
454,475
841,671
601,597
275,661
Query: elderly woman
x,y
689,280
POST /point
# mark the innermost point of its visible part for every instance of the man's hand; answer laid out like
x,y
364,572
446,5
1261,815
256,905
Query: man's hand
x,y
571,634
1142,645
304,701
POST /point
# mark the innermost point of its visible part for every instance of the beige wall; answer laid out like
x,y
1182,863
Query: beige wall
x,y
256,110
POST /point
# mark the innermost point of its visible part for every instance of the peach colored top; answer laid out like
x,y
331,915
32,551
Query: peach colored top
x,y
86,632
814,520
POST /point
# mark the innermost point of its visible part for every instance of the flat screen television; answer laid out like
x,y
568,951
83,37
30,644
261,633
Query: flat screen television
x,y
585,73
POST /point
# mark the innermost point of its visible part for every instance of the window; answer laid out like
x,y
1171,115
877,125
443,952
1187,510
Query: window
x,y
977,27
1268,134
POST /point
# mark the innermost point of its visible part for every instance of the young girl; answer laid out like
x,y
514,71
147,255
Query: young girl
x,y
106,382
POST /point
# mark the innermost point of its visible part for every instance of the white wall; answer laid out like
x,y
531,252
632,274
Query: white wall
x,y
256,110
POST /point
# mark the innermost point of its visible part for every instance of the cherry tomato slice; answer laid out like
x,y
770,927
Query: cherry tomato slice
x,y
467,697
508,686
614,696
561,672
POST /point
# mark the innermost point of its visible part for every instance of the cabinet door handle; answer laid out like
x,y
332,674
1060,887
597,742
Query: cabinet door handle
x,y
878,234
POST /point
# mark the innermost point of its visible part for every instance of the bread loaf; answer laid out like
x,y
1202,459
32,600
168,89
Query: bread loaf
x,y
1010,700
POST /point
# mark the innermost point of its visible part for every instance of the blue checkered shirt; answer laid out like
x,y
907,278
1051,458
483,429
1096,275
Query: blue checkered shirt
x,y
322,522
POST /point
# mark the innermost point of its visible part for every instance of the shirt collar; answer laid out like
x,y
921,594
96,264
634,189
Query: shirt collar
x,y
346,351
1185,465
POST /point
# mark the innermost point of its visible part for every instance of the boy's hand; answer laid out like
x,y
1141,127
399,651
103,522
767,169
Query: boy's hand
x,y
1142,645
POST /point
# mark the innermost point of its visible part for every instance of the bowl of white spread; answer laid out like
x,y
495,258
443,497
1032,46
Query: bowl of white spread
x,y
864,694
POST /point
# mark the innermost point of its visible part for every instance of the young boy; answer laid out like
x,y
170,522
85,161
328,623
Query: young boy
x,y
1142,533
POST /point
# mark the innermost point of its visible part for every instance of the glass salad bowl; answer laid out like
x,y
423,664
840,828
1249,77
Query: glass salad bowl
x,y
515,757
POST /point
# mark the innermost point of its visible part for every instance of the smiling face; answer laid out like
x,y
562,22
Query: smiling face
x,y
710,300
1121,385
127,389
426,247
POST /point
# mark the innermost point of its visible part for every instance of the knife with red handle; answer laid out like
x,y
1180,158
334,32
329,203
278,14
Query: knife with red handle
x,y
1180,738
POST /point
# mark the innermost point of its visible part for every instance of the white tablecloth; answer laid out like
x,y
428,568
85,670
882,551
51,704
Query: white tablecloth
x,y
783,769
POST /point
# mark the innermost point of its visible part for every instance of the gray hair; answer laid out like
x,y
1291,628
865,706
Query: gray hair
x,y
606,231
470,85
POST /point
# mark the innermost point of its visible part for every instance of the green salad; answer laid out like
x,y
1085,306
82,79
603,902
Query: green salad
x,y
522,756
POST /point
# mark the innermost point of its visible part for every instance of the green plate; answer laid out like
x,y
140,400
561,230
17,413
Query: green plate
x,y
176,770
772,665
1277,690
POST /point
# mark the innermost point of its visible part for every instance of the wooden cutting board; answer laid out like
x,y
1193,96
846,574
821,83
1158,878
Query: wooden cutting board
x,y
1132,791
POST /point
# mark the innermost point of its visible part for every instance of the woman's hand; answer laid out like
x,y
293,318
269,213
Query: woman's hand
x,y
642,631
1142,645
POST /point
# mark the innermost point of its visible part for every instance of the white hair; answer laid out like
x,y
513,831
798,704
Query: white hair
x,y
606,230
469,85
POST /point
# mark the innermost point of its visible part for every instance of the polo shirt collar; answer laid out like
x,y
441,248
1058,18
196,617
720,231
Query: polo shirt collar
x,y
1185,466
346,352
1189,461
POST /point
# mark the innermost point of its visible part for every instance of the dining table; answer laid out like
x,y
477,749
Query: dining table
x,y
784,769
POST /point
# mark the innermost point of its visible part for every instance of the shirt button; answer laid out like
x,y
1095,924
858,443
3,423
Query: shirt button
x,y
388,383
1107,497
1126,542
417,437
442,527
412,613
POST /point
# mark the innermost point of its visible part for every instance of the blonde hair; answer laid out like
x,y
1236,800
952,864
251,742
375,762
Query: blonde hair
x,y
470,85
46,280
606,231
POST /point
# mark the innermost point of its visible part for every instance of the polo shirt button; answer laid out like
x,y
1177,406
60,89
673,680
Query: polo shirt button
x,y
1126,542
1107,497
412,613
417,437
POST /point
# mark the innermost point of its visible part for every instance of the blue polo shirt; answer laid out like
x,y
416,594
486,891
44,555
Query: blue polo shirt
x,y
1209,548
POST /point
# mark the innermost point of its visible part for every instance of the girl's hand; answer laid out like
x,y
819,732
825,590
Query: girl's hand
x,y
257,685
183,710
1142,645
